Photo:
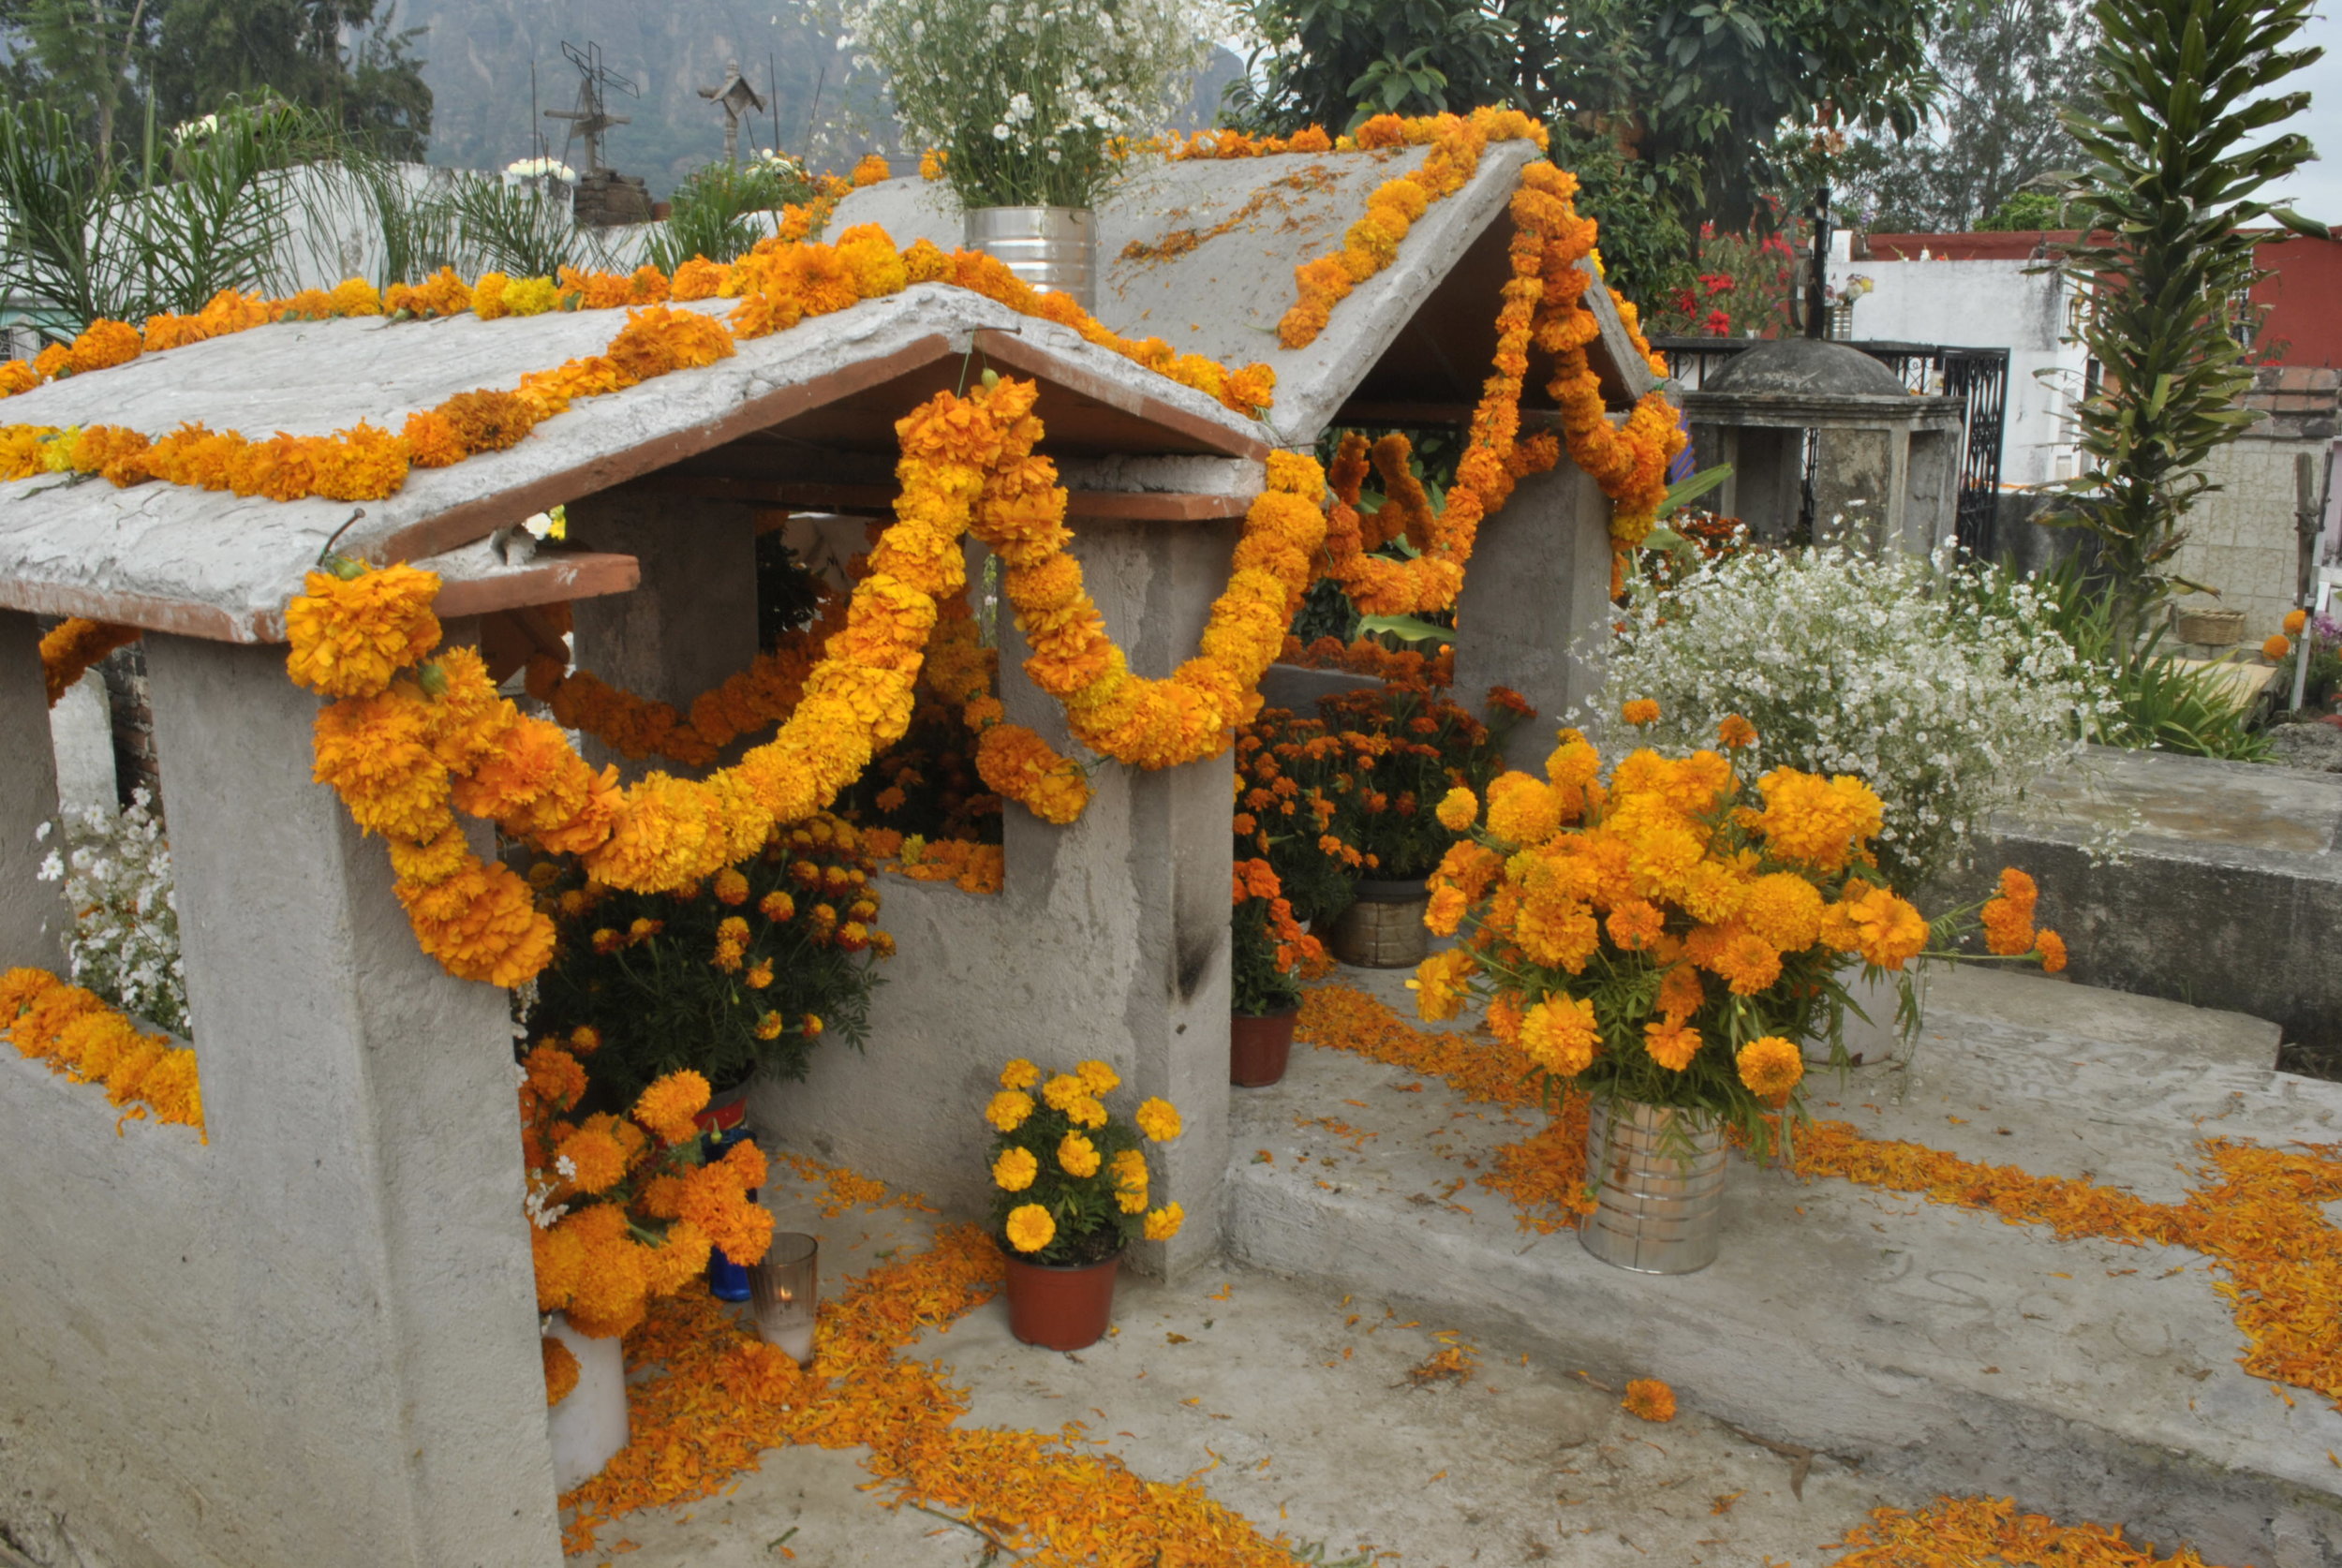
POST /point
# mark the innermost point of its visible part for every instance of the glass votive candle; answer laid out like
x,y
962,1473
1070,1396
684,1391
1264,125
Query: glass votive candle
x,y
783,1292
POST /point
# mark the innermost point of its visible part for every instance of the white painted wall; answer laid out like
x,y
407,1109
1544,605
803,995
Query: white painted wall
x,y
1987,304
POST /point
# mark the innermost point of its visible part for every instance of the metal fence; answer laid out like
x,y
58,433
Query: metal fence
x,y
1978,377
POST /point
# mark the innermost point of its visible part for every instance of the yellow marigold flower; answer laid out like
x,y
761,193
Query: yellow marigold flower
x,y
1438,985
1100,1078
666,1108
760,974
531,296
1014,1170
1671,1044
1128,1171
1063,1089
561,1370
730,887
1559,1034
585,1040
1019,1075
1784,909
350,636
770,1027
1077,1156
778,908
1771,1067
1008,1110
1159,1120
1736,731
1088,1111
1457,810
1164,1222
1523,809
1642,710
1650,1400
1029,1227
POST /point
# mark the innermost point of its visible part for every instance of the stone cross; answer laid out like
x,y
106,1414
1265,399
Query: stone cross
x,y
736,98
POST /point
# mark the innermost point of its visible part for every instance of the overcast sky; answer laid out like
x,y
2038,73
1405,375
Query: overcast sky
x,y
2317,191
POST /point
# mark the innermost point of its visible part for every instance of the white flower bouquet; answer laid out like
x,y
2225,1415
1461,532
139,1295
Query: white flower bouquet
x,y
1028,100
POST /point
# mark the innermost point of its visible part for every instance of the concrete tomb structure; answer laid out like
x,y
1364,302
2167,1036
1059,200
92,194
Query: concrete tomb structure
x,y
1823,438
311,1336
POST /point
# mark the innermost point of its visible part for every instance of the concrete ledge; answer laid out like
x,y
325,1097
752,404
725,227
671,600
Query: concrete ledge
x,y
2085,1378
2228,896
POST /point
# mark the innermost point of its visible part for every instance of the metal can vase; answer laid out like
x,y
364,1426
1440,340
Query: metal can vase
x,y
1383,928
1659,1175
1048,247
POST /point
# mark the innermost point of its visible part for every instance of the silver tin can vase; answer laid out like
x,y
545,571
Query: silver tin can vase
x,y
1383,928
1048,247
1659,1178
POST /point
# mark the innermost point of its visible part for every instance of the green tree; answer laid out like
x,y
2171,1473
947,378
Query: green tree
x,y
2176,155
126,71
2009,69
1673,110
336,56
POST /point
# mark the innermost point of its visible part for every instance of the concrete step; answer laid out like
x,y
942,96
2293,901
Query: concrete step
x,y
1931,1343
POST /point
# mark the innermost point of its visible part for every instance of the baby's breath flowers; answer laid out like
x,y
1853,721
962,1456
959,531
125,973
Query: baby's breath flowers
x,y
1029,102
1071,1179
1943,686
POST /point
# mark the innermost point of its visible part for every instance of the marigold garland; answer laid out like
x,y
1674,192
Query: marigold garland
x,y
407,753
71,647
88,1040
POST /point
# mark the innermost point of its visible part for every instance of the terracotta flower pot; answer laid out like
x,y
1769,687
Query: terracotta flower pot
x,y
1258,1046
1061,1307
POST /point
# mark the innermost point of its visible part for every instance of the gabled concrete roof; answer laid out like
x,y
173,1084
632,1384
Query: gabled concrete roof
x,y
172,559
1201,253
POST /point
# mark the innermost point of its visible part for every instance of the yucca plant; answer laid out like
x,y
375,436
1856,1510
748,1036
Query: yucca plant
x,y
2183,91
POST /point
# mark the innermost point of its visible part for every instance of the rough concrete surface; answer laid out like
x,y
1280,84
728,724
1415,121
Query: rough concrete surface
x,y
81,734
1201,254
2088,1379
1302,1420
311,1340
2226,893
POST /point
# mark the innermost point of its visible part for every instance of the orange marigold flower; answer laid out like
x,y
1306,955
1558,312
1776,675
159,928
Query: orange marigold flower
x,y
1650,1400
1439,983
1771,1067
1641,711
667,1107
1457,810
590,1158
1671,1044
2276,647
2052,951
487,421
561,1370
1736,731
349,636
2294,621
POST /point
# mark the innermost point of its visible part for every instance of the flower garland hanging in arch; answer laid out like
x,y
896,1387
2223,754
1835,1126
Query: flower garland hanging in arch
x,y
71,647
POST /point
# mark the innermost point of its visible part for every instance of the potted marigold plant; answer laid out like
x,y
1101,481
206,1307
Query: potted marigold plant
x,y
1071,1183
1269,951
1346,799
742,973
1662,942
622,1206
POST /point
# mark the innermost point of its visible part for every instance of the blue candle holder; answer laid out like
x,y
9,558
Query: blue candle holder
x,y
727,1281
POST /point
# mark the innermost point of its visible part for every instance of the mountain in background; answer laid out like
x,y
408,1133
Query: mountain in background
x,y
478,55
